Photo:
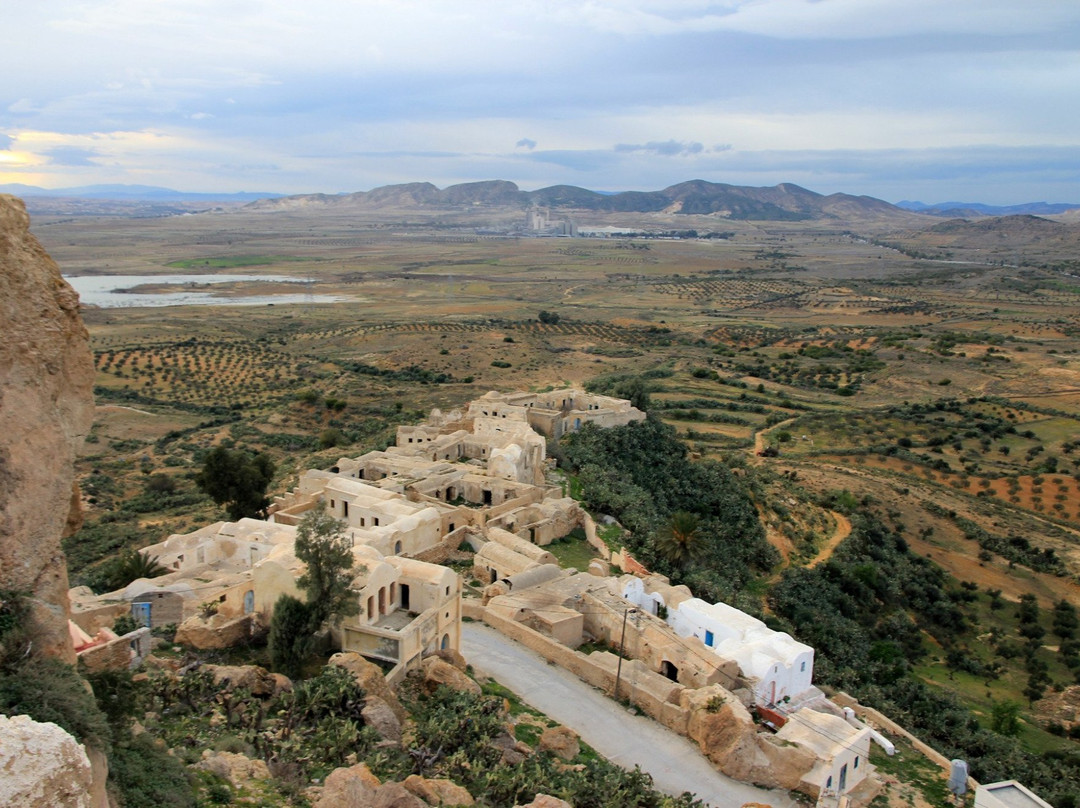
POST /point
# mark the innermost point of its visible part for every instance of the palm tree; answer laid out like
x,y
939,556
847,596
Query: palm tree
x,y
132,565
679,541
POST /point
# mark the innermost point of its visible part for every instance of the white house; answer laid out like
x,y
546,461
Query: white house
x,y
778,666
842,751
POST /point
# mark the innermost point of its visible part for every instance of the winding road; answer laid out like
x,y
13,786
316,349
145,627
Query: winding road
x,y
675,763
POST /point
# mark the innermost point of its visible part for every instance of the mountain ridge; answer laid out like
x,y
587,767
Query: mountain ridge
x,y
783,202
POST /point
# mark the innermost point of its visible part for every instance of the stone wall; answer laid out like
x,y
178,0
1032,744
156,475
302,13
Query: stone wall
x,y
115,655
593,537
726,734
882,721
442,551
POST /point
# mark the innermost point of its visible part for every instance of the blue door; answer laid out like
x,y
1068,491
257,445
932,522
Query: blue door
x,y
140,612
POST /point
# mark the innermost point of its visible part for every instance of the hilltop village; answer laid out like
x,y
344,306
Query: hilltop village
x,y
474,484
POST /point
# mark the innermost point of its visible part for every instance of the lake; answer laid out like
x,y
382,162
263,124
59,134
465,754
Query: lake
x,y
109,291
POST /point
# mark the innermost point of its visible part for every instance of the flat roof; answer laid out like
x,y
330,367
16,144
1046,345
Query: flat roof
x,y
1014,795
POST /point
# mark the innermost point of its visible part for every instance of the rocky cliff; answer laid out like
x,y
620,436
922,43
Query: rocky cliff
x,y
46,407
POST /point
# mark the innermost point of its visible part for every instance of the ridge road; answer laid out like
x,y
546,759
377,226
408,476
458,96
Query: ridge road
x,y
675,763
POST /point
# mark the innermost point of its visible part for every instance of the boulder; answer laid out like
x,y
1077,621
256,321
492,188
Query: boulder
x,y
370,677
455,658
380,716
258,681
237,769
562,742
437,792
217,631
395,795
42,765
437,672
46,409
545,801
349,787
513,750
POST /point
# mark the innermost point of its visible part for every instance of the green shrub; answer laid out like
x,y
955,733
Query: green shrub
x,y
142,775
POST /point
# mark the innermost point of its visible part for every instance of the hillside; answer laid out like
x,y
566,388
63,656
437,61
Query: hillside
x,y
784,202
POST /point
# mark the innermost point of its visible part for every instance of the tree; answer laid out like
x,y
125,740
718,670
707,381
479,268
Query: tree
x,y
237,480
1005,718
679,540
1065,621
129,566
290,638
327,552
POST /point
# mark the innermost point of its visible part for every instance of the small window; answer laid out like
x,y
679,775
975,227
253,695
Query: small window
x,y
828,783
447,590
856,761
375,521
709,639
802,668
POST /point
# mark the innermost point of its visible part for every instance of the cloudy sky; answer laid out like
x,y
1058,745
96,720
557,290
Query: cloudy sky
x,y
974,100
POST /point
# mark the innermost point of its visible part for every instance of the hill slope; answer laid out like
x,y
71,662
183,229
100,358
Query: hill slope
x,y
784,202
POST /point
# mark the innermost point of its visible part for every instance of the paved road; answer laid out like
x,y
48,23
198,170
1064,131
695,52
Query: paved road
x,y
675,763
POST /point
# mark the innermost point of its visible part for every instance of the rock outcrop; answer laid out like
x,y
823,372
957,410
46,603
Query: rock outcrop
x,y
562,742
356,787
370,677
258,681
437,672
46,408
547,801
216,631
727,735
42,765
437,792
237,769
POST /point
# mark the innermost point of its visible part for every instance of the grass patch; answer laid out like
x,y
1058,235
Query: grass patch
x,y
914,770
573,551
233,261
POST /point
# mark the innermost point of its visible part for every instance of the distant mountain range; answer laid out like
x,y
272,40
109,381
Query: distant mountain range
x,y
133,193
784,202
964,210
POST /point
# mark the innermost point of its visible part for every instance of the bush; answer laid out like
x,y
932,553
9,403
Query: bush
x,y
145,775
48,690
290,638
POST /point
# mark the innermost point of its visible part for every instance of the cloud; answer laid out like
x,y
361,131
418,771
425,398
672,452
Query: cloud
x,y
525,143
667,148
6,141
72,156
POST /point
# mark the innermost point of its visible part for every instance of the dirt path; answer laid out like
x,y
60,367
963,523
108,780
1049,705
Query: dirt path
x,y
843,530
759,436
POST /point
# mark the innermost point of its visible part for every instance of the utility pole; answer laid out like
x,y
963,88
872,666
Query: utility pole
x,y
622,642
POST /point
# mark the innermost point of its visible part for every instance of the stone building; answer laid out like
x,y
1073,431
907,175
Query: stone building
x,y
557,412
